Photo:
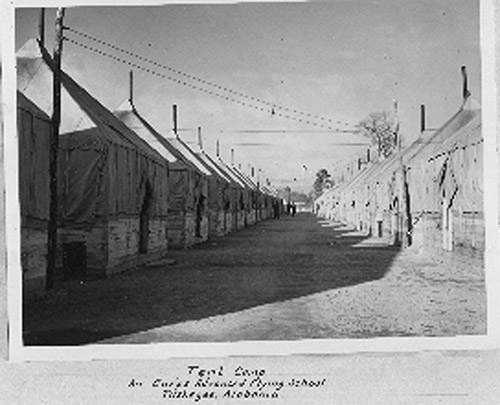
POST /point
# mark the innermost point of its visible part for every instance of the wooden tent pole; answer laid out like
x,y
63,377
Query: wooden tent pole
x,y
131,87
54,147
465,87
174,118
200,140
422,119
41,27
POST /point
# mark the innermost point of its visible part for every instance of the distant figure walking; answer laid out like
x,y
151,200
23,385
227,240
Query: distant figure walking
x,y
294,210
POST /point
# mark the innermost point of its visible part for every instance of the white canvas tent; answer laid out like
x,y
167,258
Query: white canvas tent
x,y
112,188
187,184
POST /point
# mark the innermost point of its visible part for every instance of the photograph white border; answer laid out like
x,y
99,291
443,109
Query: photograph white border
x,y
19,353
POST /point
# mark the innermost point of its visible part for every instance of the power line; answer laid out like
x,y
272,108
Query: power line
x,y
205,82
192,86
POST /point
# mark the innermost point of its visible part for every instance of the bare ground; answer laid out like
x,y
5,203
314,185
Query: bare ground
x,y
294,278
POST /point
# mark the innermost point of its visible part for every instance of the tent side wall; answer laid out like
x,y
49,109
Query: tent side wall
x,y
102,192
240,211
137,199
82,208
454,219
229,207
181,211
214,206
224,214
181,221
106,171
197,218
235,208
251,213
220,227
268,204
188,213
138,212
218,197
468,210
437,199
201,212
214,202
34,129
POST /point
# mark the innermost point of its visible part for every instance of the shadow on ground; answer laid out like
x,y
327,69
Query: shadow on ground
x,y
269,262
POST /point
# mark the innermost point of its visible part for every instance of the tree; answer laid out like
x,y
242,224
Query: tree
x,y
380,128
323,180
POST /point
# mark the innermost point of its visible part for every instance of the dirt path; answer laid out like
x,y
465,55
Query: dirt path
x,y
288,279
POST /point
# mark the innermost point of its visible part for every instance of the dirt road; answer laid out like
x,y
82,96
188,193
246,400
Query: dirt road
x,y
292,278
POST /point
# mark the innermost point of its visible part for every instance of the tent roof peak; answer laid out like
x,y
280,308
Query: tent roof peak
x,y
30,50
125,106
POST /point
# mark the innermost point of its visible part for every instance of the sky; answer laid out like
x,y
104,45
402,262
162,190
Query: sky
x,y
328,63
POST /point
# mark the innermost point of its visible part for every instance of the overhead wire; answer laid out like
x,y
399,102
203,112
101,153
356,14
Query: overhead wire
x,y
273,106
192,86
213,93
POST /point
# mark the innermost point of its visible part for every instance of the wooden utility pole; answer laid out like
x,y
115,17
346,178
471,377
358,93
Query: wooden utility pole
x,y
54,148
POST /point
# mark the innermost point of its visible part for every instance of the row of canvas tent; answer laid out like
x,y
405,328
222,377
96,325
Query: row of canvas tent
x,y
429,195
126,193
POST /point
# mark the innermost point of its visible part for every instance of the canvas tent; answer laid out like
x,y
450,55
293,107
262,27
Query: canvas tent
x,y
218,189
236,212
445,177
34,129
430,193
252,198
112,188
267,201
247,199
187,186
200,192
